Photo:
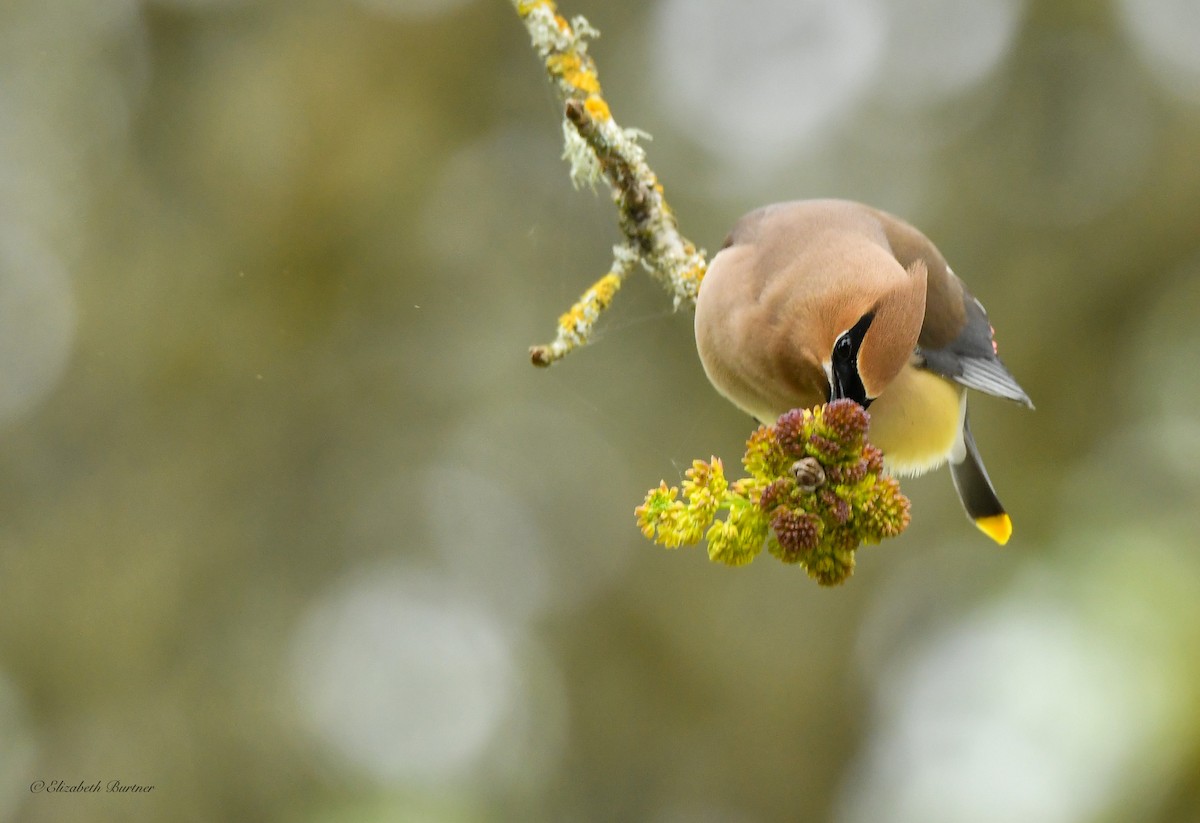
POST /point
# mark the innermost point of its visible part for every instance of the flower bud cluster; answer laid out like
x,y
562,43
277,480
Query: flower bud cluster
x,y
815,492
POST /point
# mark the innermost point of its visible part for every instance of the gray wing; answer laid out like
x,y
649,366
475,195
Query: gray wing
x,y
970,358
956,338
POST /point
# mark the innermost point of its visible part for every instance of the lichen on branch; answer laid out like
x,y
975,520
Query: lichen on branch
x,y
598,148
815,492
576,323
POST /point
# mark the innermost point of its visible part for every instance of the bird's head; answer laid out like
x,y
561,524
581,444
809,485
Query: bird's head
x,y
869,317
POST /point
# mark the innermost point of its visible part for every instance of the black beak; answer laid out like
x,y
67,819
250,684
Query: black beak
x,y
847,384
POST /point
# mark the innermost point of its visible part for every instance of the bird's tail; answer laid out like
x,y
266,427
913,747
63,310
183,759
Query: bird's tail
x,y
975,489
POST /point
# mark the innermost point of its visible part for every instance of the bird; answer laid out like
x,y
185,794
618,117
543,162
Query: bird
x,y
810,301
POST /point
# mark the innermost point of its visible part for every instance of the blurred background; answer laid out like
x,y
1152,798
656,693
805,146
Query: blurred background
x,y
291,530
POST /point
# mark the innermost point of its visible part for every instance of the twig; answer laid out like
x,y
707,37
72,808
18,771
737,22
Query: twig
x,y
596,147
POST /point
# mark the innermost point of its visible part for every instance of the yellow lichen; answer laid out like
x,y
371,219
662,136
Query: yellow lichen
x,y
574,72
571,318
584,81
694,276
559,64
576,323
606,287
597,108
526,7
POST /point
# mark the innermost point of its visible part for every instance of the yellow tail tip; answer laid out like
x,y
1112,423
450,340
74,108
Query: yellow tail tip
x,y
997,526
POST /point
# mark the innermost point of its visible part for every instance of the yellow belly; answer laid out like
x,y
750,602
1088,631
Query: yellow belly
x,y
916,421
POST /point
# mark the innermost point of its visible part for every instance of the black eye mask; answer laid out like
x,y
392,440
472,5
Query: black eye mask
x,y
846,380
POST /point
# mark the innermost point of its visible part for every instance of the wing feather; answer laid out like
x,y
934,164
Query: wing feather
x,y
956,338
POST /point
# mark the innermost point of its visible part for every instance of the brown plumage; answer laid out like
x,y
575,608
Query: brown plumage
x,y
814,299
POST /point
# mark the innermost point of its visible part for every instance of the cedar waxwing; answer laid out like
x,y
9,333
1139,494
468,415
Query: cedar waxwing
x,y
816,300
